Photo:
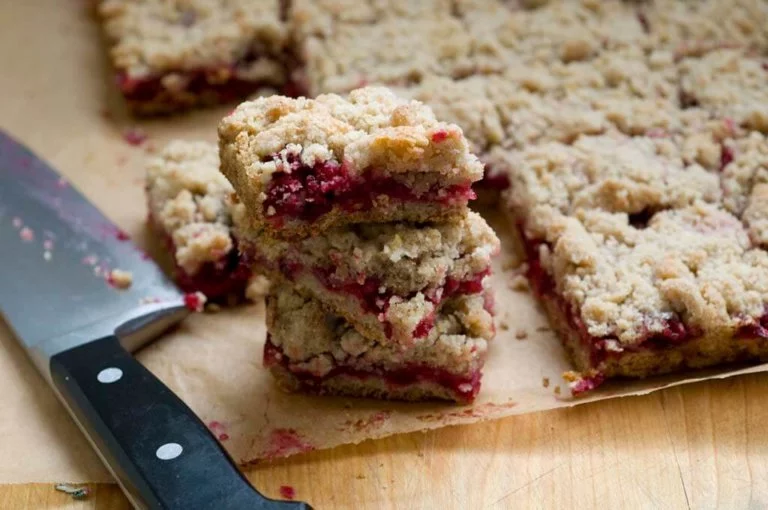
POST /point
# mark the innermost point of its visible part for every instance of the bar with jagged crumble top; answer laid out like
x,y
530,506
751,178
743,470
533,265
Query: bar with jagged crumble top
x,y
636,260
310,350
173,55
189,208
302,166
388,280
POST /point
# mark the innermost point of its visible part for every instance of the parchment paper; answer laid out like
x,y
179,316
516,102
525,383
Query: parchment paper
x,y
56,97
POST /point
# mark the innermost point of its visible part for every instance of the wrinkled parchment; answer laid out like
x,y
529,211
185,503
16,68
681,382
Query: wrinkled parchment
x,y
66,108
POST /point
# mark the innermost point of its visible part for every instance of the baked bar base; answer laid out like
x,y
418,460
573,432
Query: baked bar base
x,y
403,385
309,349
596,365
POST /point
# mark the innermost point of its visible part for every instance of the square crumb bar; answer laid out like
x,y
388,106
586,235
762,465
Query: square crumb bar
x,y
310,350
636,260
388,280
174,54
189,207
302,166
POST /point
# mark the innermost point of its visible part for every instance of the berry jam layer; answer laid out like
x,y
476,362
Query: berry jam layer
x,y
368,304
226,278
177,90
307,193
408,382
678,346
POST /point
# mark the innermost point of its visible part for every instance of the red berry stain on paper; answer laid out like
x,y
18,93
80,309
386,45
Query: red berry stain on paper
x,y
285,442
219,430
134,136
287,492
374,421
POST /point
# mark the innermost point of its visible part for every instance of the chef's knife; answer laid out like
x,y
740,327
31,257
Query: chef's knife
x,y
57,252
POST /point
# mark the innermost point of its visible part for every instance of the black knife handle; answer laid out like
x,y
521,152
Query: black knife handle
x,y
163,456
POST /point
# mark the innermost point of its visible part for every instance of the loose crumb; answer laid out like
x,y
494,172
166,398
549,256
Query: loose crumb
x,y
504,325
120,279
543,329
519,283
557,389
212,308
571,376
47,256
195,301
521,334
545,382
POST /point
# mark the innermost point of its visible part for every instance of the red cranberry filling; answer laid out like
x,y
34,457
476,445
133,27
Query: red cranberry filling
x,y
309,192
375,302
494,180
464,387
674,333
201,82
226,277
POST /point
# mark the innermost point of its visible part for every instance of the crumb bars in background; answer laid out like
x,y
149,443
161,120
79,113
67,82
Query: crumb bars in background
x,y
170,55
189,207
389,298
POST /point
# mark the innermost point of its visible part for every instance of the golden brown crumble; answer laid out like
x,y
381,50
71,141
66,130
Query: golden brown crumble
x,y
152,37
188,201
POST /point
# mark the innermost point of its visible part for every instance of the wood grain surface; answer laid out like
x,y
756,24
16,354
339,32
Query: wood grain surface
x,y
702,446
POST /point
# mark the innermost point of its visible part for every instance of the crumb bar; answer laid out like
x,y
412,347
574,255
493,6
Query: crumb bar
x,y
310,350
172,55
388,280
637,262
189,207
302,166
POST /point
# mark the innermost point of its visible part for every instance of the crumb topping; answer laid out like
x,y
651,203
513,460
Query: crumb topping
x,y
188,200
614,173
730,84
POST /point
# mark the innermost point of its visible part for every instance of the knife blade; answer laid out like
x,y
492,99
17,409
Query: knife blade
x,y
59,293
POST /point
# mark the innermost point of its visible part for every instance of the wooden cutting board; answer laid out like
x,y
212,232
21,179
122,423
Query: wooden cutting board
x,y
697,446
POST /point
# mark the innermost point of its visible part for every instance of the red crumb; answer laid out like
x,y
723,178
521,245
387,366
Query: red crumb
x,y
195,301
223,437
121,235
287,492
26,234
134,136
285,442
439,136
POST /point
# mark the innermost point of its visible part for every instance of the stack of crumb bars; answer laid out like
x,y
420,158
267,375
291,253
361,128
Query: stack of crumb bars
x,y
628,139
356,207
